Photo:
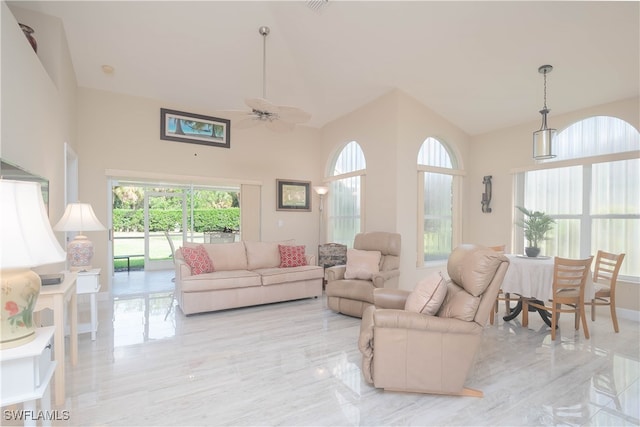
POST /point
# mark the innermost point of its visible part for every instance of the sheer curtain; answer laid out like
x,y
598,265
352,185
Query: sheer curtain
x,y
344,219
596,199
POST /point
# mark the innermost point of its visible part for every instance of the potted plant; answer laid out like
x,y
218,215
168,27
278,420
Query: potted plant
x,y
535,225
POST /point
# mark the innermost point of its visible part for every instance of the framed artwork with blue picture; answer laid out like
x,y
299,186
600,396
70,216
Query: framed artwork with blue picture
x,y
194,128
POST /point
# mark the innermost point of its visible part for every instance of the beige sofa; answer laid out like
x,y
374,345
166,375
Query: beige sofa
x,y
246,273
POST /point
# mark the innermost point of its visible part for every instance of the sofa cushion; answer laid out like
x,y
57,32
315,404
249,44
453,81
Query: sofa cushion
x,y
459,304
220,280
274,276
225,256
292,256
198,259
428,295
362,264
263,254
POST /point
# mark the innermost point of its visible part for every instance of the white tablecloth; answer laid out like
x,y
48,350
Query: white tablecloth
x,y
533,277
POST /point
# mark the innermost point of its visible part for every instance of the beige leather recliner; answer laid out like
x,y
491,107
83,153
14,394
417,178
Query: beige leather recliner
x,y
409,351
353,296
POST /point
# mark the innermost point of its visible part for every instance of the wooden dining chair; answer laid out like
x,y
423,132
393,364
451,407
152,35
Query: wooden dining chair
x,y
605,276
502,296
569,279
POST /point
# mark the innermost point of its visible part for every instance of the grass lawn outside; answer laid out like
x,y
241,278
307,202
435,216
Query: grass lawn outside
x,y
132,243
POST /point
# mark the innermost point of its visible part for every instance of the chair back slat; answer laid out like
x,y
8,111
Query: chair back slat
x,y
570,273
607,267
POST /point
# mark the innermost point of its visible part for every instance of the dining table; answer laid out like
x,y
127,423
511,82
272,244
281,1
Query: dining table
x,y
532,278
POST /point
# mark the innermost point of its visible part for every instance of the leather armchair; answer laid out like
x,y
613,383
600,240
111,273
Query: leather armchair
x,y
409,351
353,296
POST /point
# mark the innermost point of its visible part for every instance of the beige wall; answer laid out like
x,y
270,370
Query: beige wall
x,y
121,132
38,103
391,130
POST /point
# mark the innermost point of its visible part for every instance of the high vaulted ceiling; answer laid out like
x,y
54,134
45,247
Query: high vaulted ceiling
x,y
475,63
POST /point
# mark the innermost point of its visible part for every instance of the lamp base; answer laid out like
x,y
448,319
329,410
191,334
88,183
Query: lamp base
x,y
20,290
80,253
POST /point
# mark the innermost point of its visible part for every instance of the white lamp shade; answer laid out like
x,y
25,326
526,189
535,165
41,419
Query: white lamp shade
x,y
26,238
543,144
321,190
79,217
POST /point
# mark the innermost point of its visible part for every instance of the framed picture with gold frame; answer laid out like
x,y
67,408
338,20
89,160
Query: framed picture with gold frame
x,y
293,195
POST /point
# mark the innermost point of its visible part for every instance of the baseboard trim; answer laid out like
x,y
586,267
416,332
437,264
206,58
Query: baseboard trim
x,y
624,313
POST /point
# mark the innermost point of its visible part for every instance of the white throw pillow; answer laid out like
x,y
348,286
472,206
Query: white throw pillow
x,y
362,264
428,295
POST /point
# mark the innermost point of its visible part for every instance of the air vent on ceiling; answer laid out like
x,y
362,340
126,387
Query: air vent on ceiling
x,y
317,5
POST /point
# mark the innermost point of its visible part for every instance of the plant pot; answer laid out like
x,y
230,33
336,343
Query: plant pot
x,y
532,252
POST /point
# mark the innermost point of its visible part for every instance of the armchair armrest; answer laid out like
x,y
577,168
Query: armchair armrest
x,y
387,318
381,279
335,273
390,298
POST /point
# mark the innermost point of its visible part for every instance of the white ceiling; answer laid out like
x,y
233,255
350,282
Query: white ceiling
x,y
475,63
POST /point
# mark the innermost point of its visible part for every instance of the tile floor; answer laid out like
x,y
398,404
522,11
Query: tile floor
x,y
297,363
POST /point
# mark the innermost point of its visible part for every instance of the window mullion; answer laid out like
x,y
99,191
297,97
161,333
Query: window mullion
x,y
585,221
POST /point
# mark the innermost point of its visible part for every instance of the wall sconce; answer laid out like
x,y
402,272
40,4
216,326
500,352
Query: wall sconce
x,y
486,196
321,191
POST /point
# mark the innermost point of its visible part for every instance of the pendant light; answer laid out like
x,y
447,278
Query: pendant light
x,y
543,138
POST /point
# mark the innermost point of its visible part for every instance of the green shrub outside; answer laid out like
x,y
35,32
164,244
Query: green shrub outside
x,y
128,220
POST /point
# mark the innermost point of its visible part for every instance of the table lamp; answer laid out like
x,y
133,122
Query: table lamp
x,y
79,217
26,240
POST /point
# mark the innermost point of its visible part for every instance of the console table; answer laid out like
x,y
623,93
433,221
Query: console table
x,y
56,297
26,374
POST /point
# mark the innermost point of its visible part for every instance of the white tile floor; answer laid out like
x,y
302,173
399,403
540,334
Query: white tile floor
x,y
297,363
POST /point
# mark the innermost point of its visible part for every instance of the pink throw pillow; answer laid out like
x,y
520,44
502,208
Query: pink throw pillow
x,y
292,256
198,259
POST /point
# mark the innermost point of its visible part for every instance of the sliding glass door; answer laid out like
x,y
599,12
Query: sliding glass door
x,y
165,227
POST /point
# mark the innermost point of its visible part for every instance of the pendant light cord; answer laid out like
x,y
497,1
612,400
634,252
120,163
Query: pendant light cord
x,y
545,89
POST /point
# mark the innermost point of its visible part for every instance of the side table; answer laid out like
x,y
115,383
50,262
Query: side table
x,y
26,374
88,282
329,255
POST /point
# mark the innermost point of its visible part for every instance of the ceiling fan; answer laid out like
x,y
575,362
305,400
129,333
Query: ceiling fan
x,y
278,118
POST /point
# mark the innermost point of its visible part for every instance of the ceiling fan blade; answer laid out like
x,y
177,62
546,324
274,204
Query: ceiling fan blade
x,y
293,114
279,126
246,123
262,105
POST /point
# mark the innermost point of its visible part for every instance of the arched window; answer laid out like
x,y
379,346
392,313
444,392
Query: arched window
x,y
591,189
346,185
438,192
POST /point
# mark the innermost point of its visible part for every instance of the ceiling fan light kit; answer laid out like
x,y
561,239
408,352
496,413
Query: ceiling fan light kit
x,y
278,118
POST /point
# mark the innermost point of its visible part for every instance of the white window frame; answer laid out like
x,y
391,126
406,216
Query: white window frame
x,y
456,205
585,217
361,173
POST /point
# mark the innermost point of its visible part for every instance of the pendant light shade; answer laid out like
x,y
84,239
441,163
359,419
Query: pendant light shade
x,y
543,139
